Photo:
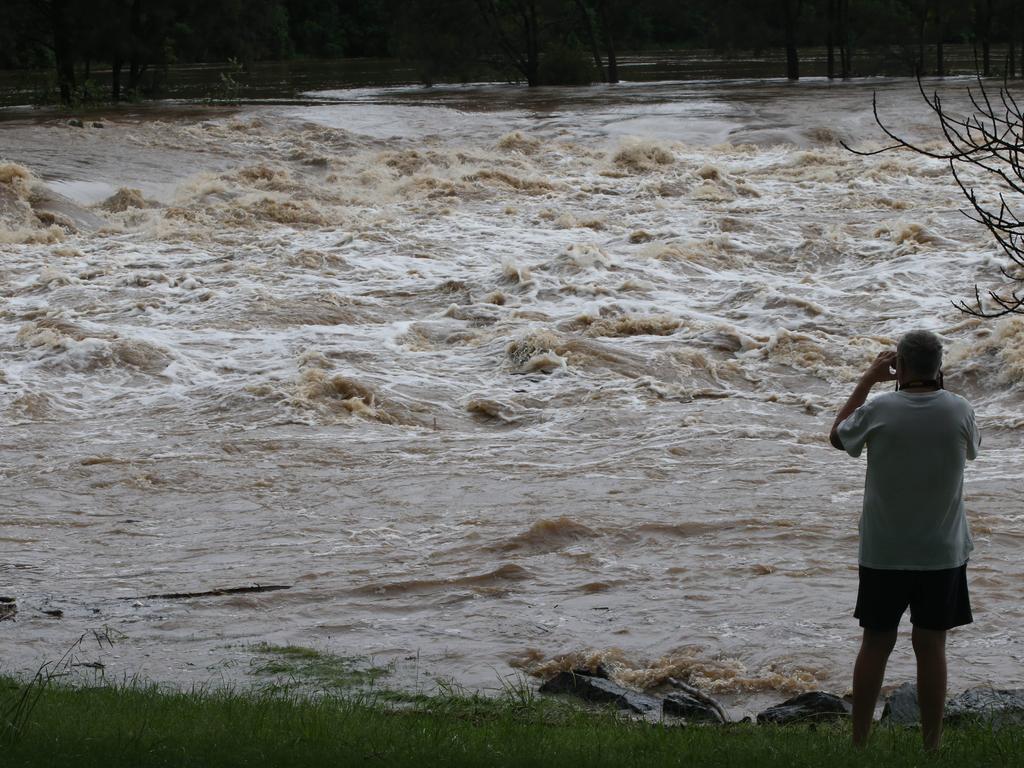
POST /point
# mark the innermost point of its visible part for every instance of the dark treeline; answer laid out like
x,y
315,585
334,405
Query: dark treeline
x,y
135,42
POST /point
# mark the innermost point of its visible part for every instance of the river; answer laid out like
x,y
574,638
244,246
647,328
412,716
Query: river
x,y
496,380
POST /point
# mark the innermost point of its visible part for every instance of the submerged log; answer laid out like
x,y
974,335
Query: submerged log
x,y
692,703
682,704
211,592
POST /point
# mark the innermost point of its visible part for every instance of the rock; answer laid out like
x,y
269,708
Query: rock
x,y
55,613
97,124
901,707
11,205
714,710
598,689
74,122
599,671
8,608
126,198
47,204
807,707
989,704
682,704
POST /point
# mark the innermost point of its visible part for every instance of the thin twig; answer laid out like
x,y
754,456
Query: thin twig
x,y
991,140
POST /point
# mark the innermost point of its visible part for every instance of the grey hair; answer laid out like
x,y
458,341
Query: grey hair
x,y
921,352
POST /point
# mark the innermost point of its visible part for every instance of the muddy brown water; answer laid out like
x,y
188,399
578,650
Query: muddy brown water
x,y
497,381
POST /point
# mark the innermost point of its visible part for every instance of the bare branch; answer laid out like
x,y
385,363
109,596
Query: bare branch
x,y
990,139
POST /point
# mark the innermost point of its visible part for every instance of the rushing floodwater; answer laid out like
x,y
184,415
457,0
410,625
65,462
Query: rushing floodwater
x,y
494,379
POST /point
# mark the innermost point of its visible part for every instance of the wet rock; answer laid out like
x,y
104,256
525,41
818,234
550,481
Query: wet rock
x,y
55,613
989,704
126,198
691,693
600,690
813,706
52,207
477,314
901,707
8,608
74,122
10,203
98,124
682,704
600,670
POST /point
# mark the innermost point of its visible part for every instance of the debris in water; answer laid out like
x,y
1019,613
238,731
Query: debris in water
x,y
210,592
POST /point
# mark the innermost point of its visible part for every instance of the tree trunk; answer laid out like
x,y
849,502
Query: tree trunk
x,y
922,21
609,41
523,18
592,38
1013,43
844,38
792,58
940,33
135,47
830,23
532,43
613,62
988,33
63,49
983,27
115,77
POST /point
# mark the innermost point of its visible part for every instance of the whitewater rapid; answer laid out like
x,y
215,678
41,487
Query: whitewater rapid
x,y
497,381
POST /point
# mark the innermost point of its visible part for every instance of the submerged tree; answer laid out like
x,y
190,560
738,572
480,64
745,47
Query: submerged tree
x,y
595,17
938,9
991,140
983,31
540,40
441,40
837,34
516,26
790,15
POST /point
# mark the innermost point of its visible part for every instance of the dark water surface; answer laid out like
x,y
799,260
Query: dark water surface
x,y
295,79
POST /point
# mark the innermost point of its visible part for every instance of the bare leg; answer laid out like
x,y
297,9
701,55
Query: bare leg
x,y
930,649
868,673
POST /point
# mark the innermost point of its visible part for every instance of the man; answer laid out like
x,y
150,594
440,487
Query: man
x,y
914,539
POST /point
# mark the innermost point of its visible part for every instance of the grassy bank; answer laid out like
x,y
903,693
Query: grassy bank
x,y
139,726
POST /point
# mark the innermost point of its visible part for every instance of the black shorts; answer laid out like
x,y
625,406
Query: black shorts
x,y
937,599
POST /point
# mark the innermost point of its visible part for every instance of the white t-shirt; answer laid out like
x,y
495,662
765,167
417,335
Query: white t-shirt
x,y
913,516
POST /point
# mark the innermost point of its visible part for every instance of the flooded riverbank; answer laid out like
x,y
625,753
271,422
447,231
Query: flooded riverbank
x,y
493,379
302,79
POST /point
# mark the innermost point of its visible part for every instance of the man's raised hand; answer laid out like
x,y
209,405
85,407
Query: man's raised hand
x,y
881,368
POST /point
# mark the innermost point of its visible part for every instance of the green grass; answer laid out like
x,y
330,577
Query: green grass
x,y
142,725
298,668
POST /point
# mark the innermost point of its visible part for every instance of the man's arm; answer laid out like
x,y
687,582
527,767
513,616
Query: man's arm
x,y
877,372
973,436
